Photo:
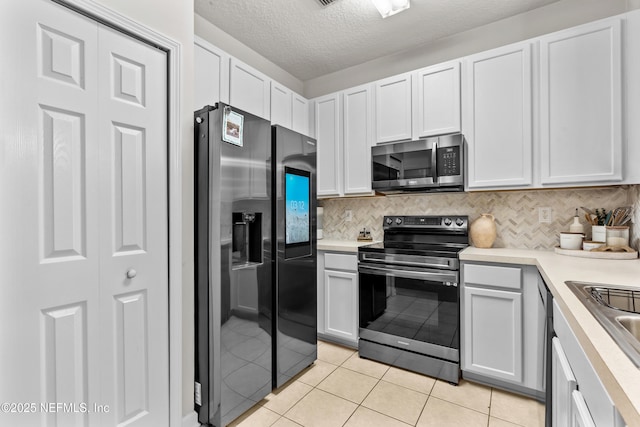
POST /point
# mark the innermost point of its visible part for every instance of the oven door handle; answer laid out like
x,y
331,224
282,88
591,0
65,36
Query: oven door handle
x,y
449,279
424,262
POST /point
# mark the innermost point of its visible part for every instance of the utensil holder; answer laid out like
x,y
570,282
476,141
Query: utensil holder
x,y
598,233
617,235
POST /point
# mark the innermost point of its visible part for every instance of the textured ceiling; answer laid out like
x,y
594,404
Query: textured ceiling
x,y
309,40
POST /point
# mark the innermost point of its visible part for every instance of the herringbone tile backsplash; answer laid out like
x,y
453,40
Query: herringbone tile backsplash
x,y
516,212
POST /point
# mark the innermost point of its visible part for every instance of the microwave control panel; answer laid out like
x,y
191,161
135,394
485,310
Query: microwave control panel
x,y
449,161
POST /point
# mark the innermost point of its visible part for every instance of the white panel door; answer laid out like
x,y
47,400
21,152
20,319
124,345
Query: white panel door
x,y
211,74
393,108
55,295
492,333
438,109
49,249
133,224
281,100
497,117
249,89
329,137
300,114
581,104
341,304
357,139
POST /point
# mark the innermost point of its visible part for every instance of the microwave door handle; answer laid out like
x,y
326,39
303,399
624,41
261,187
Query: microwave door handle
x,y
434,161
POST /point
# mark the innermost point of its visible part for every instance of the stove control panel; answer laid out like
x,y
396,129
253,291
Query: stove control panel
x,y
427,222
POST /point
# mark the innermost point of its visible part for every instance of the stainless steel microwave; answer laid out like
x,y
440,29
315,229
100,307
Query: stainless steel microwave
x,y
432,164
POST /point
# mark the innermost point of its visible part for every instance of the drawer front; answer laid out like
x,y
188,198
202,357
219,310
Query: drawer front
x,y
493,275
341,262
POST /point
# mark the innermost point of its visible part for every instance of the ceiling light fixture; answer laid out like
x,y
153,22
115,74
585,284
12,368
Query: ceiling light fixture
x,y
390,7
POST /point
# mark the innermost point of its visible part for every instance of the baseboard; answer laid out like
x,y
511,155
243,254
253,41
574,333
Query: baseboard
x,y
190,420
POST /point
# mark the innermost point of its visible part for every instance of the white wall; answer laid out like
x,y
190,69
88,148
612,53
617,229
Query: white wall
x,y
235,48
550,18
175,20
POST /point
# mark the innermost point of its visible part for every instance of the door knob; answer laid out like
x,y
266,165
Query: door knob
x,y
131,274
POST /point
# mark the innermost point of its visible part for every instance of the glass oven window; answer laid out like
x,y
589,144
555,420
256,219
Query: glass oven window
x,y
410,308
408,165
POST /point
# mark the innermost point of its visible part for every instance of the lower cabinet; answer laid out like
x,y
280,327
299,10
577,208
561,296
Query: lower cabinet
x,y
502,327
579,397
338,297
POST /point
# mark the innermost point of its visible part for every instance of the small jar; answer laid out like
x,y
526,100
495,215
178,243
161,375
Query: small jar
x,y
598,233
617,236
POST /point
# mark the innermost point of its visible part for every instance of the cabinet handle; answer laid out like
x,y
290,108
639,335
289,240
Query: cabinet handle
x,y
131,274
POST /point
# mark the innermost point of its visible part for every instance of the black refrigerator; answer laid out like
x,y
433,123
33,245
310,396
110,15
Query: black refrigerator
x,y
255,248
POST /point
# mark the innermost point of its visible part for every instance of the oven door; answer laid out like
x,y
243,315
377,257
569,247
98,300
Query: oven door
x,y
404,165
410,308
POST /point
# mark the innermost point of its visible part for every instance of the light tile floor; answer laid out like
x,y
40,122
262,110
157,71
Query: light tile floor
x,y
340,389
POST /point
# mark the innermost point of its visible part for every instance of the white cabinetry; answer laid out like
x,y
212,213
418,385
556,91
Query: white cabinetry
x,y
393,108
281,105
357,139
211,74
592,405
438,100
580,104
563,383
497,117
343,129
288,109
328,135
338,297
502,327
249,89
300,114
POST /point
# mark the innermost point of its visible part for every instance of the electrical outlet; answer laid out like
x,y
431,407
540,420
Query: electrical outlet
x,y
348,215
544,215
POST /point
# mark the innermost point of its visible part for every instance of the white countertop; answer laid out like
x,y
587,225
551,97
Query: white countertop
x,y
342,245
620,376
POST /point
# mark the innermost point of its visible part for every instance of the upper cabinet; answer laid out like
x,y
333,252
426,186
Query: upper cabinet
x,y
344,130
438,100
497,117
288,109
300,114
328,133
249,90
357,141
393,108
281,101
581,104
211,74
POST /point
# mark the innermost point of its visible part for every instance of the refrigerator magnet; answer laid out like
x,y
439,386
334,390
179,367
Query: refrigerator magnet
x,y
232,127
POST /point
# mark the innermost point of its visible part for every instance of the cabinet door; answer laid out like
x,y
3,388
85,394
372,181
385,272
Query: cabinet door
x,y
580,416
341,304
281,99
393,108
249,89
438,100
563,383
492,333
580,104
328,135
211,74
357,140
497,117
300,114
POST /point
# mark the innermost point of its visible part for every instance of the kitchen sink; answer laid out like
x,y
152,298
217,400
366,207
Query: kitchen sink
x,y
631,324
618,311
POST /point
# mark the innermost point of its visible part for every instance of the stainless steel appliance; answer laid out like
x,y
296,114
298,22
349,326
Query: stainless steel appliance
x,y
433,164
409,298
295,269
249,248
